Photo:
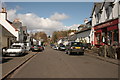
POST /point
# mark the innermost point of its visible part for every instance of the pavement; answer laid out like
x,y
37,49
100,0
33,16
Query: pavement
x,y
107,59
11,63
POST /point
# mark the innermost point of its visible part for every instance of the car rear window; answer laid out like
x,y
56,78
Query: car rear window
x,y
62,45
37,45
76,44
15,46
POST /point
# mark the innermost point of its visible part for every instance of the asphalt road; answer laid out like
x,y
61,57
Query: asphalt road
x,y
56,64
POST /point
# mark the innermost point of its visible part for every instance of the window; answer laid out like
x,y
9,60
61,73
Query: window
x,y
98,38
98,17
107,12
115,37
109,37
112,37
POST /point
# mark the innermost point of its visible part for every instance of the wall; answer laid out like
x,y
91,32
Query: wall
x,y
113,11
4,41
7,25
84,35
0,40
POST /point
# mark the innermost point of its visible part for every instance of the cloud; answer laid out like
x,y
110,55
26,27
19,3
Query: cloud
x,y
58,16
11,14
36,23
73,27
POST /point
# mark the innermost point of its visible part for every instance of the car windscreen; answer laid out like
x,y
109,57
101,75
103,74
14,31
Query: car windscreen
x,y
37,46
76,44
62,45
16,46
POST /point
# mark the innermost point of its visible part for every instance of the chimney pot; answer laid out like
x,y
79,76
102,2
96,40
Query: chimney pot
x,y
3,10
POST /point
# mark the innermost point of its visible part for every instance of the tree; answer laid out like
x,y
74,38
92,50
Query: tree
x,y
41,36
60,34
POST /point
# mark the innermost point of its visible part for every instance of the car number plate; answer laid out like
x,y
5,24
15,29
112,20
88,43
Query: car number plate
x,y
77,47
12,54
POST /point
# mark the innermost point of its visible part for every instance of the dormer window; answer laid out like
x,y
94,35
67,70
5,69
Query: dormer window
x,y
111,4
107,12
97,16
100,11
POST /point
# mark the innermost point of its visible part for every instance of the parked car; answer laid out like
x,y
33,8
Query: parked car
x,y
16,49
87,45
75,47
4,51
55,47
61,47
37,48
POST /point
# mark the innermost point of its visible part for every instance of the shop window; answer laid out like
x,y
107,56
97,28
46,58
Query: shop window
x,y
112,37
104,37
109,37
98,38
115,37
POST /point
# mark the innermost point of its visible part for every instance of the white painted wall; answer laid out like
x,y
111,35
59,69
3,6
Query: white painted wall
x,y
84,36
4,23
113,13
0,37
60,41
115,10
92,35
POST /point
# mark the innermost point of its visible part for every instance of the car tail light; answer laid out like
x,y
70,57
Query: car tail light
x,y
39,47
72,47
83,47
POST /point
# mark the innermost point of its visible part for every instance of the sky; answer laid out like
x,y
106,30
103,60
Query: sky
x,y
49,16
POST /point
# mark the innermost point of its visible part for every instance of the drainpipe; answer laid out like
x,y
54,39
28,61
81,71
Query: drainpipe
x,y
119,20
0,43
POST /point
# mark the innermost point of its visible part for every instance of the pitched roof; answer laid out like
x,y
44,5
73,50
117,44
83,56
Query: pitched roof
x,y
96,5
83,30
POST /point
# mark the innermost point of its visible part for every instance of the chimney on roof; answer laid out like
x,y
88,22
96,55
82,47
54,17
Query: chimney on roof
x,y
86,21
3,10
3,14
16,20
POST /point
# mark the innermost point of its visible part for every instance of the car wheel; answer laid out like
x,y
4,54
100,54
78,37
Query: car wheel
x,y
82,53
69,52
66,52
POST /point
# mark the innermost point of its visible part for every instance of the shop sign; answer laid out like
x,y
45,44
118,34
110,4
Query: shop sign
x,y
107,24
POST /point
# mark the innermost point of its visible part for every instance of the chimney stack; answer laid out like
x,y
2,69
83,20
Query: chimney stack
x,y
3,14
3,10
86,21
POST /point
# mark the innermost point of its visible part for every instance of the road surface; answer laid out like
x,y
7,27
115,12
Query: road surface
x,y
56,64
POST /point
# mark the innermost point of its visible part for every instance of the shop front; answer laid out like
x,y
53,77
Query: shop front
x,y
107,33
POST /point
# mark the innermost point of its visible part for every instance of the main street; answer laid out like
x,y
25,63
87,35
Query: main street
x,y
56,64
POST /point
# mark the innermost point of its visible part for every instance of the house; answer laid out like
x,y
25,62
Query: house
x,y
22,37
72,36
8,32
63,41
84,33
105,22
